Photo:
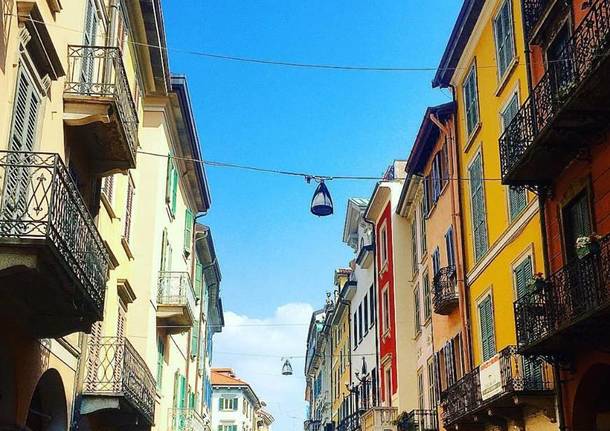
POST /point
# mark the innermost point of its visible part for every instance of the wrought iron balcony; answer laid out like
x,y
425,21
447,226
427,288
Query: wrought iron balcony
x,y
118,380
521,381
570,308
565,110
99,101
176,303
312,425
379,419
445,290
186,420
53,265
533,12
350,423
418,420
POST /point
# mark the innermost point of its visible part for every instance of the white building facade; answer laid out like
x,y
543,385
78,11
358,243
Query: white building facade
x,y
234,403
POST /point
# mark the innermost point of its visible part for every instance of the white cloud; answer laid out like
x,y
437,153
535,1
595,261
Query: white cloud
x,y
253,347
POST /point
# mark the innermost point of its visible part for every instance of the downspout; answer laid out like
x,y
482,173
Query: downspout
x,y
463,293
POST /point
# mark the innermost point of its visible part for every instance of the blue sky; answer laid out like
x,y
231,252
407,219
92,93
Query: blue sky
x,y
272,251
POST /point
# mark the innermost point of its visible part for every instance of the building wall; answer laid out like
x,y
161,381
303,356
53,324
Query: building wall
x,y
245,415
507,240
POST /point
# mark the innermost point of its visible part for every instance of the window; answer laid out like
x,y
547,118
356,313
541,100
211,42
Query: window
x,y
431,384
388,386
486,319
477,202
195,339
384,245
417,310
372,304
128,209
189,222
471,100
386,309
180,397
228,404
166,253
160,361
414,256
198,278
436,177
171,185
89,39
576,217
420,389
517,201
422,229
365,307
559,62
522,276
510,110
450,247
436,261
427,298
108,188
360,322
225,427
503,35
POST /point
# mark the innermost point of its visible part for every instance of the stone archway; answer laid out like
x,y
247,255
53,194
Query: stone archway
x,y
48,408
591,410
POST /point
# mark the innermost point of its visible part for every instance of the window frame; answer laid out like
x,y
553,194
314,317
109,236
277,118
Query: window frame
x,y
471,75
511,39
385,310
487,295
478,255
417,310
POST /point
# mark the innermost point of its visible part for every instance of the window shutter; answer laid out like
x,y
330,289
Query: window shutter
x,y
523,275
195,339
198,279
174,188
128,209
160,360
487,329
517,199
188,230
169,178
479,222
164,250
220,406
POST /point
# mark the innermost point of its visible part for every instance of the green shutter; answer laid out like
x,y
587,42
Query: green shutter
x,y
198,278
477,196
517,199
195,339
188,231
169,175
174,189
160,360
523,276
220,403
487,328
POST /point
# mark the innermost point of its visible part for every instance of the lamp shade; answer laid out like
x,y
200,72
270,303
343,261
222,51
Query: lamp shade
x,y
321,203
287,368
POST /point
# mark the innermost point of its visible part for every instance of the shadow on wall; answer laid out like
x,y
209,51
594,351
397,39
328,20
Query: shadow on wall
x,y
48,408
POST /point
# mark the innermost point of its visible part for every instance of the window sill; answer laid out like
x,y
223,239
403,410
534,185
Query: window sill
x,y
108,206
472,136
127,248
507,74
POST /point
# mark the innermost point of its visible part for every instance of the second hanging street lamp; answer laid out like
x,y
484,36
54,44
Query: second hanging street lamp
x,y
321,203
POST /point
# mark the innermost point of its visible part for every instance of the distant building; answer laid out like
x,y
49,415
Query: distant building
x,y
235,405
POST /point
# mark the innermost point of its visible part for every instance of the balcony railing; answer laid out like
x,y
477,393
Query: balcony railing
x,y
445,290
98,72
518,375
186,420
419,420
350,422
175,288
586,49
572,296
379,418
115,369
533,10
41,205
312,425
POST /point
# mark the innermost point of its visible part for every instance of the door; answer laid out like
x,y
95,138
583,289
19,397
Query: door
x,y
89,40
17,182
560,63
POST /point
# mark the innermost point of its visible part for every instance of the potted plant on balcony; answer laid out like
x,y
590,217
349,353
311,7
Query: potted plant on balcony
x,y
537,283
586,245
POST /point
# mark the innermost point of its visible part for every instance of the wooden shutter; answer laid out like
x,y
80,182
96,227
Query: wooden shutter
x,y
169,175
517,199
195,339
174,189
577,221
26,110
477,196
188,231
160,361
488,343
198,279
523,276
128,209
90,34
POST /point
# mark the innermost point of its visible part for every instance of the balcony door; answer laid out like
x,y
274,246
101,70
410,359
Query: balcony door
x,y
560,62
89,40
26,110
576,222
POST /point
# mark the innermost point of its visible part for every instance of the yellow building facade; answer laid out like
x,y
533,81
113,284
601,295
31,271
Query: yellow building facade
x,y
108,313
484,64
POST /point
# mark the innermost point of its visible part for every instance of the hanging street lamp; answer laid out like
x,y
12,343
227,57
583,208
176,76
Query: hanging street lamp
x,y
321,203
286,368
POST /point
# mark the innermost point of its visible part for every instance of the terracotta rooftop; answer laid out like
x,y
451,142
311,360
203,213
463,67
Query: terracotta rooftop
x,y
226,376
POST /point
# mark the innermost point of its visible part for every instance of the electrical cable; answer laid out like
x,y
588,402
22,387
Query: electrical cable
x,y
285,63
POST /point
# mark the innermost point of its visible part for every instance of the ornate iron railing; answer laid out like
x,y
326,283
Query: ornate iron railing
x,y
176,288
40,202
98,71
312,425
517,373
532,12
575,291
584,51
445,289
419,420
185,420
114,368
378,418
350,423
